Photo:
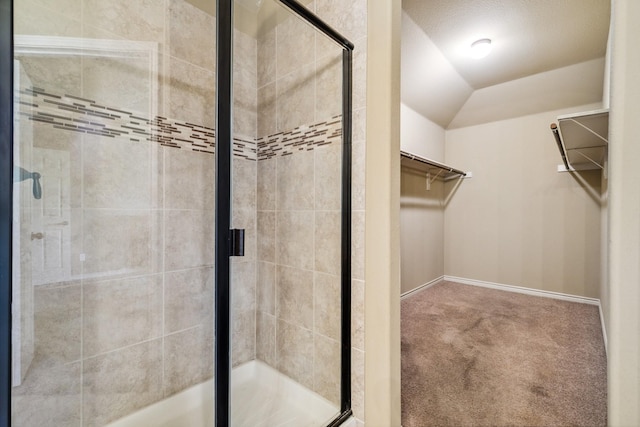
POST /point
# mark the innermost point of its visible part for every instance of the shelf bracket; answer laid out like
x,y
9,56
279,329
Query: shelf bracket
x,y
590,159
590,130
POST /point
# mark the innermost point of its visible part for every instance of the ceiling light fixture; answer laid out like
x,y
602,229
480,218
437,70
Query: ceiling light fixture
x,y
480,48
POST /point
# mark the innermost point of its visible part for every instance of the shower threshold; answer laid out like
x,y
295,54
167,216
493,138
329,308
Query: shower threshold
x,y
261,396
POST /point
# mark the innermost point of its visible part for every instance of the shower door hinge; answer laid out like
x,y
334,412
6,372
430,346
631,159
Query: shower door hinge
x,y
236,242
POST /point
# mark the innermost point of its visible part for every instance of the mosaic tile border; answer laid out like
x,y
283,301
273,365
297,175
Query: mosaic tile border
x,y
77,114
302,138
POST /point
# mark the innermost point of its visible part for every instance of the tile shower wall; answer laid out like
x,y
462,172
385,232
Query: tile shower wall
x,y
349,17
299,204
130,319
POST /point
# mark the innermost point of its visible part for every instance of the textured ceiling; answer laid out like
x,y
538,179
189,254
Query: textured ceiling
x,y
529,36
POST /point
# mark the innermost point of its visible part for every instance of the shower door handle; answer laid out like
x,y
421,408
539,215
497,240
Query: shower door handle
x,y
236,242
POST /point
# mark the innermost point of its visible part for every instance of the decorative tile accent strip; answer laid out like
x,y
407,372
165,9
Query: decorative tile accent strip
x,y
302,138
76,114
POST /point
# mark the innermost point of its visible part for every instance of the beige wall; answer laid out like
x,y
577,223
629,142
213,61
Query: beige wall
x,y
421,210
419,135
421,230
518,221
382,269
624,218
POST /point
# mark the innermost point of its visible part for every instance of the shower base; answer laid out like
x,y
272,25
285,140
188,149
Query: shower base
x,y
261,396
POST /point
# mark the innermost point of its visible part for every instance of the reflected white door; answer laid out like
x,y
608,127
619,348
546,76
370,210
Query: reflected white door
x,y
50,218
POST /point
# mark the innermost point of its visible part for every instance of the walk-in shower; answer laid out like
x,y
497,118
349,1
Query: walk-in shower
x,y
175,244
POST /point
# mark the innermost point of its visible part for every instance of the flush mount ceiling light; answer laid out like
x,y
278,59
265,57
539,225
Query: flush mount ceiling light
x,y
480,48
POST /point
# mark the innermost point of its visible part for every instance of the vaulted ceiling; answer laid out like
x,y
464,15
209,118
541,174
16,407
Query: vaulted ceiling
x,y
547,54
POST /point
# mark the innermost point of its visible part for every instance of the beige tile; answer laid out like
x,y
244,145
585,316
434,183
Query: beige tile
x,y
117,243
38,17
75,149
357,314
245,96
266,186
327,368
294,231
245,59
57,324
357,383
294,352
329,85
359,131
188,299
192,34
328,177
243,336
357,245
295,182
121,382
348,17
56,75
358,176
295,98
267,236
360,78
327,300
326,46
188,359
295,45
122,83
245,110
189,239
69,8
117,174
243,286
117,17
266,288
49,396
267,112
192,93
294,296
266,58
76,229
244,174
120,313
188,180
328,243
266,338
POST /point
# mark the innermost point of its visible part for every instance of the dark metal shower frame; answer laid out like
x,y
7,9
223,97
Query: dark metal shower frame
x,y
6,193
224,141
224,129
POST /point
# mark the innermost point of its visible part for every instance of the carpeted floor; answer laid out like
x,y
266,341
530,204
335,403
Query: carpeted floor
x,y
473,356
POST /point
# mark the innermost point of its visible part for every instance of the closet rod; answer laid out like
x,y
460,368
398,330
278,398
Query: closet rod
x,y
556,134
431,163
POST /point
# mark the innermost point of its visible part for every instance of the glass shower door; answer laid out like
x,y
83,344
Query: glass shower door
x,y
287,195
113,212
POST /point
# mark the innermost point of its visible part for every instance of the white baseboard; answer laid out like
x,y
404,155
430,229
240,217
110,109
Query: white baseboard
x,y
538,293
522,290
423,287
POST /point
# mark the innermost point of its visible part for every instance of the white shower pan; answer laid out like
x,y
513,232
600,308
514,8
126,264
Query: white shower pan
x,y
261,396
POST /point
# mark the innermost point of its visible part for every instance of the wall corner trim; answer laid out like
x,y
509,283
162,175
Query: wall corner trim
x,y
422,287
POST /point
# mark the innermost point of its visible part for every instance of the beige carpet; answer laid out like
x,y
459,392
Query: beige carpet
x,y
480,357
